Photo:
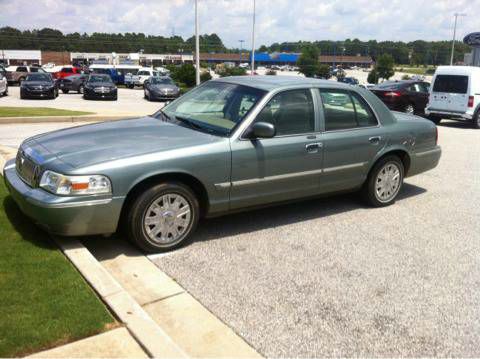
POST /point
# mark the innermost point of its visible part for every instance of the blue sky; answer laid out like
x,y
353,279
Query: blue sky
x,y
277,20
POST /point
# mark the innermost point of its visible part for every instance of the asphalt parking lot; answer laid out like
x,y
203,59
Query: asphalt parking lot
x,y
331,277
130,103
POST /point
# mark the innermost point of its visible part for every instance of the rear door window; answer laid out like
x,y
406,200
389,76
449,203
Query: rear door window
x,y
451,84
22,69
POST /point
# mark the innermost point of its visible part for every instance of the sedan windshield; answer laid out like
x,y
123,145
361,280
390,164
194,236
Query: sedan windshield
x,y
216,107
161,81
99,78
39,77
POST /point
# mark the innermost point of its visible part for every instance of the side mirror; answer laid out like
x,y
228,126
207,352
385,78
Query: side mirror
x,y
262,130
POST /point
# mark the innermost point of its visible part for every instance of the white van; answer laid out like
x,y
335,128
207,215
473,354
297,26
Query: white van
x,y
140,77
455,94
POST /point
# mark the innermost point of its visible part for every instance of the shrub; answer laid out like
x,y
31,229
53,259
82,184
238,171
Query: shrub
x,y
405,77
184,74
232,71
205,76
271,72
324,72
372,77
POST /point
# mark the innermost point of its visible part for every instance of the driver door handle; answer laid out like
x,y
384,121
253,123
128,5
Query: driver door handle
x,y
313,147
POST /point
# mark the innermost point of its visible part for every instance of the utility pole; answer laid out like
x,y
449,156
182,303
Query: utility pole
x,y
197,46
454,34
253,40
241,49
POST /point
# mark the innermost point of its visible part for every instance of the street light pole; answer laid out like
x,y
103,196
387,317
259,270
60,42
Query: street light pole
x,y
454,34
253,40
197,46
241,49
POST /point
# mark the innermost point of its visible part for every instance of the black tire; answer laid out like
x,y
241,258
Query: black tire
x,y
369,191
145,94
22,96
65,91
80,89
435,119
131,86
6,91
137,212
476,120
409,108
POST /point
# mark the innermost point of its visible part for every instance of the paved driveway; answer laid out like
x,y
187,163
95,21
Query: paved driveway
x,y
331,277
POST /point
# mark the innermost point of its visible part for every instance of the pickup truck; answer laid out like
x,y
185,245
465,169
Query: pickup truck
x,y
139,78
16,74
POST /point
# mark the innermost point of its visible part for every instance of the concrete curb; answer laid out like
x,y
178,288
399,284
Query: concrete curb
x,y
144,329
6,153
51,119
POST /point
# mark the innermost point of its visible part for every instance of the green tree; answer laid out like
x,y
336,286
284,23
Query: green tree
x,y
324,71
308,63
184,74
372,77
233,71
384,66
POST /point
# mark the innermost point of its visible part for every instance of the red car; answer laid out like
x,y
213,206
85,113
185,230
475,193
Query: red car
x,y
404,96
66,71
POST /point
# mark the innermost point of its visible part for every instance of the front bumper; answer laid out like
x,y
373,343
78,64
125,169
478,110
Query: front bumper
x,y
92,95
37,94
66,216
163,96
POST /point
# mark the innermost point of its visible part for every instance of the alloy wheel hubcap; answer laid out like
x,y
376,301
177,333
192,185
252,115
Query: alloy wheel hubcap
x,y
167,218
387,183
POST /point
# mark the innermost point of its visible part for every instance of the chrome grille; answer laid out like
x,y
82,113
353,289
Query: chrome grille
x,y
26,169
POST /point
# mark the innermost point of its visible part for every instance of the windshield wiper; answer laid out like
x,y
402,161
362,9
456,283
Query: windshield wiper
x,y
192,124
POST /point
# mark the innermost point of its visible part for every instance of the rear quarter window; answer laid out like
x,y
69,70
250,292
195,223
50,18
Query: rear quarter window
x,y
451,84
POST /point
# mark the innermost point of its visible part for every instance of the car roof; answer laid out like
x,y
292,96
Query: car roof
x,y
457,70
270,83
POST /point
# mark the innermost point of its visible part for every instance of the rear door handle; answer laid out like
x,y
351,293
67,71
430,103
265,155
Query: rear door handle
x,y
375,140
313,147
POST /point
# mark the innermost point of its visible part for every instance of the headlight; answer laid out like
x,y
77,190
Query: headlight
x,y
75,185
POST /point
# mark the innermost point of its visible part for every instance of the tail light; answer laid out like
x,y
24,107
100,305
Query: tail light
x,y
470,101
393,94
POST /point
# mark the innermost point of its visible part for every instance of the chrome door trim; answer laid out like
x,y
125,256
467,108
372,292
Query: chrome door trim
x,y
344,167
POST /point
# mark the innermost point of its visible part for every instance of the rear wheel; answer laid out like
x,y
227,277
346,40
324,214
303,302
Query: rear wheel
x,y
80,89
384,182
163,217
65,91
409,109
435,119
476,120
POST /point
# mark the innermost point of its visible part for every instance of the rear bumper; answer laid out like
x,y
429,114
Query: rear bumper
x,y
423,161
67,216
449,114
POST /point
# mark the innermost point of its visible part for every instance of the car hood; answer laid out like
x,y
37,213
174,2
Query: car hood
x,y
38,83
100,84
164,87
97,143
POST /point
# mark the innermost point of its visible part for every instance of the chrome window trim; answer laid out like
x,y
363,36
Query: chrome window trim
x,y
349,91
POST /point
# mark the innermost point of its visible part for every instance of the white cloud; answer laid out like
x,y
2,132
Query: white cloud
x,y
277,20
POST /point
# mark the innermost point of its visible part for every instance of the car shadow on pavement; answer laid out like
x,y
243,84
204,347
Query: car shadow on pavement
x,y
25,226
285,214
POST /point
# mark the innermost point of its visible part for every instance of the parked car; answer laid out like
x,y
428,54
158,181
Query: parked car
x,y
160,88
73,83
98,87
3,83
38,85
65,71
404,96
138,79
348,80
116,72
455,94
16,74
230,144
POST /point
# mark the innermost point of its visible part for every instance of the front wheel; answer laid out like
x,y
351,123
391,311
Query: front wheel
x,y
409,108
163,217
80,89
384,182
